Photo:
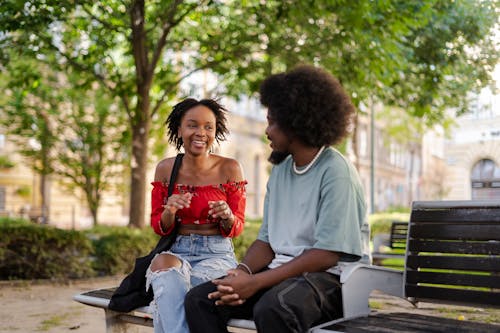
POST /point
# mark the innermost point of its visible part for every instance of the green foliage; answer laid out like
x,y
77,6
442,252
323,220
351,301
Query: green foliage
x,y
23,191
423,56
66,126
117,248
29,251
33,251
243,241
6,163
12,222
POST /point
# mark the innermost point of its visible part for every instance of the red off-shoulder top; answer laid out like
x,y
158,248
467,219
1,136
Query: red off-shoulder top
x,y
234,193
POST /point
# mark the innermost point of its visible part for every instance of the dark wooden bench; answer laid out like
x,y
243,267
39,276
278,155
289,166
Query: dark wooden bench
x,y
396,243
452,257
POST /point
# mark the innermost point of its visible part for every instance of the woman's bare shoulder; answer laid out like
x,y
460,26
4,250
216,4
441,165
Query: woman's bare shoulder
x,y
231,168
163,169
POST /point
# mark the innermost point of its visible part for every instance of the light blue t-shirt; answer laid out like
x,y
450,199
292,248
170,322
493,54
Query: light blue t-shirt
x,y
323,208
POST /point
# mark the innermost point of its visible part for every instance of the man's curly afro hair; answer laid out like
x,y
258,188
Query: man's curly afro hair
x,y
308,103
179,110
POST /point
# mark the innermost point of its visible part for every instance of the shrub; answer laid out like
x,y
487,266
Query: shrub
x,y
33,251
243,241
116,248
30,251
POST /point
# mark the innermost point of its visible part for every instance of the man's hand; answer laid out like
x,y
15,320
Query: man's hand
x,y
234,288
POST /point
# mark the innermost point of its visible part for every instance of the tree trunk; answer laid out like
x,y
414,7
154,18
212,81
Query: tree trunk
x,y
140,134
141,118
93,200
45,195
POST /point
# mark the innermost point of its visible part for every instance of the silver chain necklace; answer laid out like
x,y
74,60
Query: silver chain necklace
x,y
308,166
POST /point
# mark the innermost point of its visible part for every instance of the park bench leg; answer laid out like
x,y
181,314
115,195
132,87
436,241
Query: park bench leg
x,y
358,281
114,323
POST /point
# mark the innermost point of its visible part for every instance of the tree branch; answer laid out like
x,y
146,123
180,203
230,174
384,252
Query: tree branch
x,y
101,78
167,90
104,23
139,48
168,24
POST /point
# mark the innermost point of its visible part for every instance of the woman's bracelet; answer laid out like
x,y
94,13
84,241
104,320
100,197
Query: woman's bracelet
x,y
225,224
245,266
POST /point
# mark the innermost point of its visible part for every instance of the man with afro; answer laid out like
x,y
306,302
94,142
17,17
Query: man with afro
x,y
314,221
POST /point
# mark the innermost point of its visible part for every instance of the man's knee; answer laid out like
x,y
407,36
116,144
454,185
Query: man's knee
x,y
275,301
267,304
199,292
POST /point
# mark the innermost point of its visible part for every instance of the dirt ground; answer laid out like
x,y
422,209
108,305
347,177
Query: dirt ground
x,y
43,306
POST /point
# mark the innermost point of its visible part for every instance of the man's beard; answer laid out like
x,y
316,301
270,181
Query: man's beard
x,y
277,157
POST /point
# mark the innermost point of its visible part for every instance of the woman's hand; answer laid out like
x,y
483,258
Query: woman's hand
x,y
220,210
178,201
174,203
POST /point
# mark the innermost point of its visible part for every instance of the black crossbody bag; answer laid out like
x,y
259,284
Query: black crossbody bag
x,y
131,293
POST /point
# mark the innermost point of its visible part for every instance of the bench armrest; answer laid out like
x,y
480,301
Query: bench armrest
x,y
92,300
359,280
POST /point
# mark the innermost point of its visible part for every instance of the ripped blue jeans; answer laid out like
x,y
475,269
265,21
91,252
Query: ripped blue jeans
x,y
203,258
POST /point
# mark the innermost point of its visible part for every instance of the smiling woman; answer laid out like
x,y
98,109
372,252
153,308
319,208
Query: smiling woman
x,y
207,204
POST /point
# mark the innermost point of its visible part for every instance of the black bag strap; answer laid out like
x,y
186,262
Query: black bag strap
x,y
173,174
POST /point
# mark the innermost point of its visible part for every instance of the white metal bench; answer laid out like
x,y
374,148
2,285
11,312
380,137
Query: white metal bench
x,y
358,281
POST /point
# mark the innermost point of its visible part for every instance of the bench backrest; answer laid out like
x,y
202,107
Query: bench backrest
x,y
399,233
453,253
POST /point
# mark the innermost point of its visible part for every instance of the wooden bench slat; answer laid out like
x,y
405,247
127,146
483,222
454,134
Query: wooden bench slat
x,y
456,215
450,295
101,293
482,264
408,322
458,247
455,231
456,279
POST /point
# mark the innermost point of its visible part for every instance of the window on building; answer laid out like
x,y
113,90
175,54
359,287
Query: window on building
x,y
485,180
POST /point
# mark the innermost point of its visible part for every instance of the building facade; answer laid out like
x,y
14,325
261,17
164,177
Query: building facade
x,y
472,152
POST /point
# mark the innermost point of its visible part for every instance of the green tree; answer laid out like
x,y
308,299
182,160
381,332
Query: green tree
x,y
29,116
65,126
90,154
139,51
423,56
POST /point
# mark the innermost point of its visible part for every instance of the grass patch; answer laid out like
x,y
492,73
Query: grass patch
x,y
489,316
398,264
375,305
54,321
